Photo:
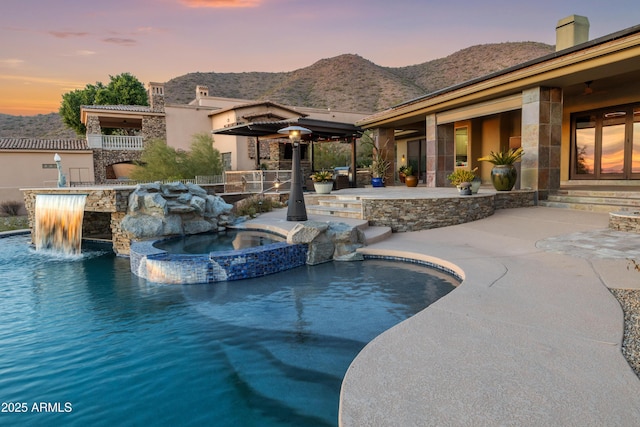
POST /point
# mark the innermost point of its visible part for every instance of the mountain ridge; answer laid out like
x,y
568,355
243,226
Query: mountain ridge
x,y
346,82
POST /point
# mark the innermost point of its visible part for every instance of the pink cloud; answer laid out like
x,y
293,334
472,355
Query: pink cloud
x,y
67,34
222,3
120,41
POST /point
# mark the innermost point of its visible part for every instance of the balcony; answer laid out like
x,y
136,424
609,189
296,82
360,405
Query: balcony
x,y
115,142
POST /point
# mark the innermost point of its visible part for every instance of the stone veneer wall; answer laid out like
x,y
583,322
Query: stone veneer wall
x,y
422,214
625,221
154,127
105,158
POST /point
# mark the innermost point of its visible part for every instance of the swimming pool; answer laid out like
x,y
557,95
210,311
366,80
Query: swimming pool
x,y
98,346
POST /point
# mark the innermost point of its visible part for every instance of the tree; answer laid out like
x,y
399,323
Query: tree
x,y
71,103
331,154
123,89
203,158
161,162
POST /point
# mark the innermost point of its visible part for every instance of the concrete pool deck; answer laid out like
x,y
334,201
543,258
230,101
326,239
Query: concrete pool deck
x,y
531,337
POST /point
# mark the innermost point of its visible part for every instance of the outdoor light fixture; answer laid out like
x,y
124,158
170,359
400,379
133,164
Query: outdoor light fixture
x,y
62,180
403,159
296,210
276,184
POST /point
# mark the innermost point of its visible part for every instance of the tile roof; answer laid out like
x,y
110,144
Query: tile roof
x,y
43,144
130,108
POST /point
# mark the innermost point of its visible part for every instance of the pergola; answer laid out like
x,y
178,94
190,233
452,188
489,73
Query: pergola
x,y
321,130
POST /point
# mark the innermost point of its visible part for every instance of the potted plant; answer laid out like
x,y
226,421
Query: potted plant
x,y
402,173
465,178
379,167
322,181
504,173
410,179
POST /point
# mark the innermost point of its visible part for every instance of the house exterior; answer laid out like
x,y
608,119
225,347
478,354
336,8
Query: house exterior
x,y
178,123
27,163
576,114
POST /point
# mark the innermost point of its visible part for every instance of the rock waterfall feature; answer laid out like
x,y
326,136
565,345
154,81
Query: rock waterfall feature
x,y
157,210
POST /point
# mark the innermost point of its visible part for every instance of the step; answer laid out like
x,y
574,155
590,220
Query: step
x,y
599,193
338,203
590,207
375,234
600,200
339,212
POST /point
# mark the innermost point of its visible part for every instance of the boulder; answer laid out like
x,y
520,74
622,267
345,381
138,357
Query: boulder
x,y
184,198
154,203
172,225
196,190
216,206
153,187
174,187
306,232
320,250
196,226
142,226
199,204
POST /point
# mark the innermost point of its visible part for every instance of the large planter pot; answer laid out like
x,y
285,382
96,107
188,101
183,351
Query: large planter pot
x,y
377,182
504,177
323,187
411,181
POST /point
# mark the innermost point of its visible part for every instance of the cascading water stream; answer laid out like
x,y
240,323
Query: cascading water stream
x,y
58,222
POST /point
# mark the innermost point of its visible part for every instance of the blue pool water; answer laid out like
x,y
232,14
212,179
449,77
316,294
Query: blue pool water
x,y
89,343
211,242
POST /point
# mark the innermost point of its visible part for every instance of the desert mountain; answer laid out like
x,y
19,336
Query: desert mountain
x,y
346,82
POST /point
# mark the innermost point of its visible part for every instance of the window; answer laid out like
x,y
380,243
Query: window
x,y
226,161
606,144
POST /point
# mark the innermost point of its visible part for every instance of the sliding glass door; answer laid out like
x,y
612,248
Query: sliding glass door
x,y
606,144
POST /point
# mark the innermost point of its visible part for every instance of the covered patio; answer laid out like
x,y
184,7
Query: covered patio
x,y
280,147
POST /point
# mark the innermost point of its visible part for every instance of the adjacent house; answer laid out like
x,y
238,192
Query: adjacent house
x,y
26,163
575,112
236,126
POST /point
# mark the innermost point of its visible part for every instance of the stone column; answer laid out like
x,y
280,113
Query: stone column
x,y
153,127
432,151
93,125
386,143
440,152
541,138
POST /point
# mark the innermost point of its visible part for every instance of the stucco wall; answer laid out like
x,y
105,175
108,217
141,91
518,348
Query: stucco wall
x,y
184,122
23,169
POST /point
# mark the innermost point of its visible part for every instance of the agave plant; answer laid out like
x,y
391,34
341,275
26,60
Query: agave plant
x,y
504,157
322,176
462,175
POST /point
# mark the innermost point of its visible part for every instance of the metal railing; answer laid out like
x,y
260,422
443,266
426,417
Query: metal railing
x,y
253,181
257,181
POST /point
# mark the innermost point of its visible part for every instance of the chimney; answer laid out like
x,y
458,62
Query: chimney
x,y
155,92
202,91
571,31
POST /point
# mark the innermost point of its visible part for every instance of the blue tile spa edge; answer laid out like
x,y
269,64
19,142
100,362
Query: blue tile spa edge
x,y
159,266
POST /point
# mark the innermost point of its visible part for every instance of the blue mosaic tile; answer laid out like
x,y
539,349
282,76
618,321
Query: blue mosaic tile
x,y
215,266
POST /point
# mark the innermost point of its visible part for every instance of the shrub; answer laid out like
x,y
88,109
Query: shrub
x,y
251,206
11,208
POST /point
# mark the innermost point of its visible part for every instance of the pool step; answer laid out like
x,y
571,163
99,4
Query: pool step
x,y
258,368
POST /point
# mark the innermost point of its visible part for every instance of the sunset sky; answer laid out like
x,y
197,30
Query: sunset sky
x,y
49,48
